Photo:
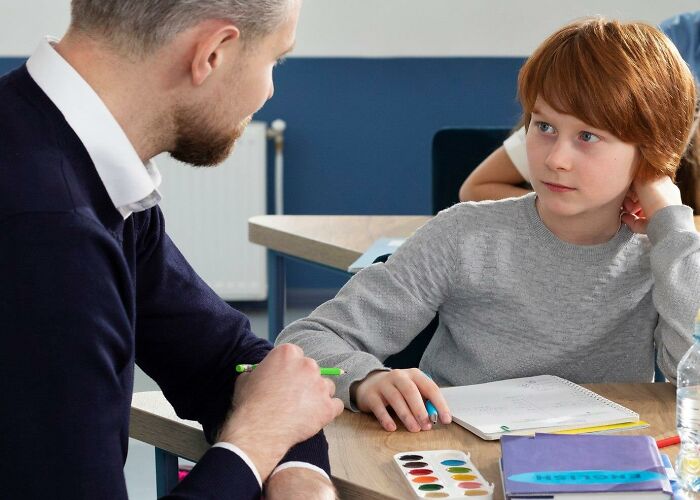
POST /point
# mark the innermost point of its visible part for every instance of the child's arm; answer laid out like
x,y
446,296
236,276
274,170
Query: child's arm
x,y
649,196
675,266
379,311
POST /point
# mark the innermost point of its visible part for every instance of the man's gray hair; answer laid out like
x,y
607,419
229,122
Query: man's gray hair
x,y
140,26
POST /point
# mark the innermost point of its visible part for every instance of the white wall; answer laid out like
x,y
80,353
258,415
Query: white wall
x,y
24,22
380,28
454,27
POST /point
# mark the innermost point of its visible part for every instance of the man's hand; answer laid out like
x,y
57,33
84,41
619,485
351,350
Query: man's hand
x,y
645,198
297,483
283,402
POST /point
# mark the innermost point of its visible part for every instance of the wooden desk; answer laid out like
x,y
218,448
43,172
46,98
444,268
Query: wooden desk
x,y
361,453
334,241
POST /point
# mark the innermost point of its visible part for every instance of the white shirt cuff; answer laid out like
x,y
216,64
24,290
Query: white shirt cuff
x,y
244,457
303,465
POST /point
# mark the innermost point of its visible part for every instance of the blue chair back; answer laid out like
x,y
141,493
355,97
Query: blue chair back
x,y
456,152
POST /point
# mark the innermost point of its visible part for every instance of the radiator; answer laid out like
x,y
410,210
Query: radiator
x,y
206,214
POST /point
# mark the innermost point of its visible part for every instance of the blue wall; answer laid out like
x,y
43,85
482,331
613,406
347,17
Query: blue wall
x,y
359,131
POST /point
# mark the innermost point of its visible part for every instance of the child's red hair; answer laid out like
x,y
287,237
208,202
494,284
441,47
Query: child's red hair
x,y
626,78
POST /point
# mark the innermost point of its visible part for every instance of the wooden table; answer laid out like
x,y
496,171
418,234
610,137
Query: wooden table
x,y
361,453
334,241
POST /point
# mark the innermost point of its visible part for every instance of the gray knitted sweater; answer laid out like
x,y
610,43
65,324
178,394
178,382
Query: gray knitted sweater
x,y
516,301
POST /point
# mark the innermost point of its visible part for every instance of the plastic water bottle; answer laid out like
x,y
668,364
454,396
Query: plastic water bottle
x,y
688,418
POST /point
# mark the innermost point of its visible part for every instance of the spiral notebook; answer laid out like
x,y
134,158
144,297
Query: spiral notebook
x,y
544,403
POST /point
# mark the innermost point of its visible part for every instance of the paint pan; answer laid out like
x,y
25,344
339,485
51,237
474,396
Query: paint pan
x,y
446,474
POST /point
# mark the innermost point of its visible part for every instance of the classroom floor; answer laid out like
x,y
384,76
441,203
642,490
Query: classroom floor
x,y
140,464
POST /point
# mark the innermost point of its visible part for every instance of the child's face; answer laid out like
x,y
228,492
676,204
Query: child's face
x,y
577,169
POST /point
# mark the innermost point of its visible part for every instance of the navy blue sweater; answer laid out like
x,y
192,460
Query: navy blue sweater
x,y
84,295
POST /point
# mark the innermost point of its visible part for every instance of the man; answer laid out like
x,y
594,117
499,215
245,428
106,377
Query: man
x,y
91,283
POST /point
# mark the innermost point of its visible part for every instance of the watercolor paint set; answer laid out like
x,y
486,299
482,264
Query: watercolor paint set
x,y
444,474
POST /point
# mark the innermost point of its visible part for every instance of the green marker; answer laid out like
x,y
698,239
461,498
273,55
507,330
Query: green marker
x,y
333,372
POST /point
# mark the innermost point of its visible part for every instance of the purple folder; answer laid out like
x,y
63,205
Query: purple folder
x,y
550,464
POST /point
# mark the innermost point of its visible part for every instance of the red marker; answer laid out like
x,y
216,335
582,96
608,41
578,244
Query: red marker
x,y
669,441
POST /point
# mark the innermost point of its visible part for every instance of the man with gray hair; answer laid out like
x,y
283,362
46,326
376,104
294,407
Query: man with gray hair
x,y
92,284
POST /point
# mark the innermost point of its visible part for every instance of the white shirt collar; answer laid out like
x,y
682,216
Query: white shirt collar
x,y
131,187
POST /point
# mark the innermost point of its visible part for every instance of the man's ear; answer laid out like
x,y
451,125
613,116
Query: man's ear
x,y
209,52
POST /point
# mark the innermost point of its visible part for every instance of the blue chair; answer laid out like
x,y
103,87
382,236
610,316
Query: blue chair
x,y
455,153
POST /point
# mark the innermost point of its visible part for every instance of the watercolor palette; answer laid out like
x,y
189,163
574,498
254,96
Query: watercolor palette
x,y
444,474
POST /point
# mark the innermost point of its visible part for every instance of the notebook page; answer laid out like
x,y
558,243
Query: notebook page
x,y
531,402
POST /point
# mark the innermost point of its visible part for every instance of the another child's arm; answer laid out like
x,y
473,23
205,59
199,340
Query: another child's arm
x,y
496,177
502,174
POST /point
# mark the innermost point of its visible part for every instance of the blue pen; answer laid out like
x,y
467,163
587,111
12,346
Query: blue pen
x,y
432,411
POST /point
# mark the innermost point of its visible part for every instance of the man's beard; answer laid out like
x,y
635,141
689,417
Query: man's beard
x,y
198,141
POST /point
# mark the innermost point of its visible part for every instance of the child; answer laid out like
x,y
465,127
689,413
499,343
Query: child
x,y
557,281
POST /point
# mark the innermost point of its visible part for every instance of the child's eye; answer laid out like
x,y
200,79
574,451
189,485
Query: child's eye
x,y
588,137
545,128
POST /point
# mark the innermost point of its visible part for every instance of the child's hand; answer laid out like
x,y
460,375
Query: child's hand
x,y
645,198
403,390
